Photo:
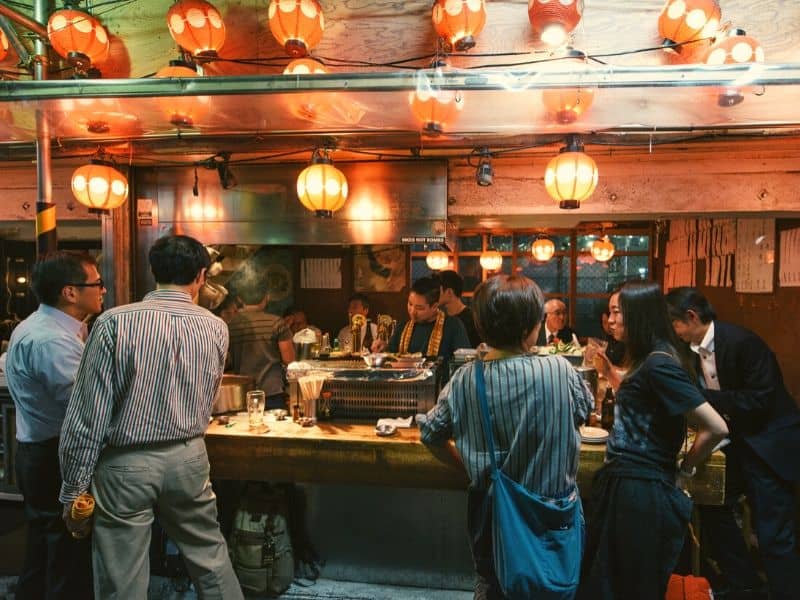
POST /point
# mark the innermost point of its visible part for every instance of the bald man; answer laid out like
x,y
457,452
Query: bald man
x,y
555,324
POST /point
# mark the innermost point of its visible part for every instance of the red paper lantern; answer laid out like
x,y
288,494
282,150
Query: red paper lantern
x,y
566,105
99,186
78,37
197,27
459,21
682,21
734,49
296,24
182,111
552,20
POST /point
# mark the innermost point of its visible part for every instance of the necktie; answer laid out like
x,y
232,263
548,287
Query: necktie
x,y
550,338
367,336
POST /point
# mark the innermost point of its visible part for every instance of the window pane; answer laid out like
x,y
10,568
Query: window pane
x,y
631,243
470,243
502,243
552,276
419,268
523,242
587,316
469,267
422,248
603,278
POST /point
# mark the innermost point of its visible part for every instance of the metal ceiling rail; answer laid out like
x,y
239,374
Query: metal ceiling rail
x,y
507,79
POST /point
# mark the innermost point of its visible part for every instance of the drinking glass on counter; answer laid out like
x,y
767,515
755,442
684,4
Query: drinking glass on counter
x,y
255,409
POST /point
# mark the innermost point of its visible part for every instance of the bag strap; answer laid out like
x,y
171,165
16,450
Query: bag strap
x,y
480,386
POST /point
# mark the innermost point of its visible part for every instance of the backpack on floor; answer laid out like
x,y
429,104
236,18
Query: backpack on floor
x,y
688,587
260,545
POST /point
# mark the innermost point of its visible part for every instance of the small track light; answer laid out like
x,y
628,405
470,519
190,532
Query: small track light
x,y
484,173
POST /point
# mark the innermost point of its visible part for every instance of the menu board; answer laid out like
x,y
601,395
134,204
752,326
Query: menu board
x,y
755,255
789,273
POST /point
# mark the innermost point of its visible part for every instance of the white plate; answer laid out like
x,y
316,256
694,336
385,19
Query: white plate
x,y
593,435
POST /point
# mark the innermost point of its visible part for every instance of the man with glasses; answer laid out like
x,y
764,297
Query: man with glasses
x,y
555,324
43,357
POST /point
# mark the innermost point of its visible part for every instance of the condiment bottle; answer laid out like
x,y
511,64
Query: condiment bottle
x,y
607,410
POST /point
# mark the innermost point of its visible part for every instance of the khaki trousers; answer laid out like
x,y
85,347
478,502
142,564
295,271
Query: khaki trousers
x,y
172,480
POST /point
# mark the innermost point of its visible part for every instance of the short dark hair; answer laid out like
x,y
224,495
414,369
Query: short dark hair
x,y
507,308
56,270
681,299
178,259
452,281
647,323
359,297
292,310
430,287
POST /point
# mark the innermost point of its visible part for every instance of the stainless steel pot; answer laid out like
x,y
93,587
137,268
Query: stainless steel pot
x,y
302,350
232,394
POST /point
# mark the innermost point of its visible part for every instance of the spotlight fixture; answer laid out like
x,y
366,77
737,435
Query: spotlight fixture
x,y
571,177
321,187
459,21
602,249
297,25
735,48
99,185
491,259
79,38
553,21
543,249
437,260
484,173
197,27
683,21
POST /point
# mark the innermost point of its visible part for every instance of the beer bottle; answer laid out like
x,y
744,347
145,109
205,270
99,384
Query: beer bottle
x,y
607,410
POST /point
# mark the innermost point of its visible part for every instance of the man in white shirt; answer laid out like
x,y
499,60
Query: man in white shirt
x,y
555,327
358,304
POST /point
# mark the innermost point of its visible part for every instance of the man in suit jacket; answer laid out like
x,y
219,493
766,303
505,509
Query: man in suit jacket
x,y
555,324
744,383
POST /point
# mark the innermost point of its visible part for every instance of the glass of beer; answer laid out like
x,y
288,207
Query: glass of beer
x,y
255,409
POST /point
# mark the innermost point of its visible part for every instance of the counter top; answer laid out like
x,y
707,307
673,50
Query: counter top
x,y
334,452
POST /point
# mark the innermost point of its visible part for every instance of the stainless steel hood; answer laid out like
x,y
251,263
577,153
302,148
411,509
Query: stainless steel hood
x,y
389,203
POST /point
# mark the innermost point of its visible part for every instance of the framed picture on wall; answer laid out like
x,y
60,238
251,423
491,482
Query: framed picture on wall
x,y
379,268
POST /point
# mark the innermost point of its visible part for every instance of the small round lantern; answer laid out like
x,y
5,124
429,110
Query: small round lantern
x,y
296,24
683,21
603,249
437,260
552,20
197,27
566,105
99,186
459,21
571,177
78,37
736,48
321,187
543,249
491,259
312,105
182,111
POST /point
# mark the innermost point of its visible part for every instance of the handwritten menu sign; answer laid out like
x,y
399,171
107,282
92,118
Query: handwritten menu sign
x,y
755,255
789,272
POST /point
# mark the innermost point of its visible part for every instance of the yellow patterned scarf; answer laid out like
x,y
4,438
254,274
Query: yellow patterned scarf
x,y
433,342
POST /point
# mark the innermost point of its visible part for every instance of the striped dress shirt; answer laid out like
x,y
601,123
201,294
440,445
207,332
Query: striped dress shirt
x,y
536,404
149,374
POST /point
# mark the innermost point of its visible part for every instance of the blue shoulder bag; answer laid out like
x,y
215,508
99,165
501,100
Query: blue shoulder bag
x,y
537,542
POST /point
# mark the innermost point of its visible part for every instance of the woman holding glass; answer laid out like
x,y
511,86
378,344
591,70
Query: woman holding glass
x,y
536,406
639,512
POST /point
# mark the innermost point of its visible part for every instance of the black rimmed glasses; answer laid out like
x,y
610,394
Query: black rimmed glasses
x,y
98,284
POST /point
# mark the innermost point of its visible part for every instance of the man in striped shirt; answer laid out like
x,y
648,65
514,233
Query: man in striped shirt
x,y
134,430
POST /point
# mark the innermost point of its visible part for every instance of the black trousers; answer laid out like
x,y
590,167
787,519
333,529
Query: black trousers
x,y
56,565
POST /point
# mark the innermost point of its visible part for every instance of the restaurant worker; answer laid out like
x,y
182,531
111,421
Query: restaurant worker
x,y
358,304
261,343
742,380
639,514
537,405
555,324
134,430
43,357
428,330
450,302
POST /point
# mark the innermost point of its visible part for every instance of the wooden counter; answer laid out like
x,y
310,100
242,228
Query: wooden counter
x,y
352,454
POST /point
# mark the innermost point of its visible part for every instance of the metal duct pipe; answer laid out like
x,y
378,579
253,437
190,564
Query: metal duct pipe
x,y
34,25
13,39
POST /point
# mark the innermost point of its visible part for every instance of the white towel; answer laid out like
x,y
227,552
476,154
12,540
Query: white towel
x,y
398,422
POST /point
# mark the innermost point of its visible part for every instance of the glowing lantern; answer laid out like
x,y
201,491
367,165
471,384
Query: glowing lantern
x,y
296,24
99,116
571,177
435,108
78,37
437,260
99,186
491,259
307,106
197,27
321,187
183,111
683,21
603,249
3,45
543,249
459,21
737,48
566,105
552,20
